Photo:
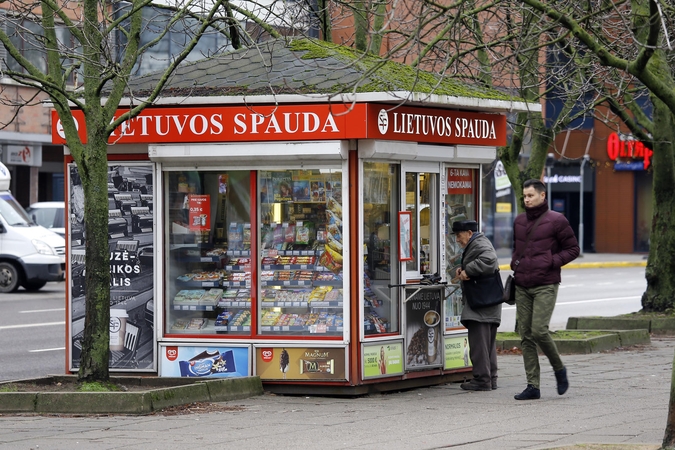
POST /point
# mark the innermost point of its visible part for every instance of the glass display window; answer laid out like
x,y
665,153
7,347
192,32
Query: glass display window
x,y
421,201
301,252
381,303
209,267
461,193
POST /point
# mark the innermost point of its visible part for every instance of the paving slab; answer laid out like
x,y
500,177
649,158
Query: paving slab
x,y
615,397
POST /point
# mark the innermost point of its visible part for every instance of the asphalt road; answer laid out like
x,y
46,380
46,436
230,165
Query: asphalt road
x,y
32,327
591,292
32,332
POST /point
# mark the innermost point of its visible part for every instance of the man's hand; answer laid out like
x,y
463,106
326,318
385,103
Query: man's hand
x,y
462,274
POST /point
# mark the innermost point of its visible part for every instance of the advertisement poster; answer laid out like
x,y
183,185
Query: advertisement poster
x,y
200,210
131,242
460,181
423,334
223,362
382,359
308,363
457,352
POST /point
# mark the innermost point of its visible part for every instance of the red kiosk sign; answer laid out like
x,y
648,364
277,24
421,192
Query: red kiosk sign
x,y
188,124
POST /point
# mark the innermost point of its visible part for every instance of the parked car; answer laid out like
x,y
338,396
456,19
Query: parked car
x,y
49,215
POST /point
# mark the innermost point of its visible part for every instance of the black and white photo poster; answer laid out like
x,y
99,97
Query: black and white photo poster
x,y
131,245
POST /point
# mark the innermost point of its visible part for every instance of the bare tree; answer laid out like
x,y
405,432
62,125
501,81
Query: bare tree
x,y
82,55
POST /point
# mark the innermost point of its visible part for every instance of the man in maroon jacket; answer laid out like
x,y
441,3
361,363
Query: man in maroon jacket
x,y
536,262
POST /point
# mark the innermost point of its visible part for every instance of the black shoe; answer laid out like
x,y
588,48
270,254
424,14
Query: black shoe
x,y
494,383
473,386
530,393
561,378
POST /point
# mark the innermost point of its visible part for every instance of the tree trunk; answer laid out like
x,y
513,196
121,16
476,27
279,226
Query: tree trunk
x,y
660,272
669,435
95,342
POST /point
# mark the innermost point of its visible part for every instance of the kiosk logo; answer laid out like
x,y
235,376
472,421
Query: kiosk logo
x,y
383,121
267,354
59,128
172,353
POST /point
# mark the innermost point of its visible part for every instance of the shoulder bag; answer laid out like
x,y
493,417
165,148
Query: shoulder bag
x,y
510,286
481,292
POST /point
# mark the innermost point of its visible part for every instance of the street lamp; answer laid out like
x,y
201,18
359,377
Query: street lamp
x,y
550,161
581,204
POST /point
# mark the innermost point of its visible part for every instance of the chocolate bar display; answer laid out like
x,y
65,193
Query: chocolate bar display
x,y
317,366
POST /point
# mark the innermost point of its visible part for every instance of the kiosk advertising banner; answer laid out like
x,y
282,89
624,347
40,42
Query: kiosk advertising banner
x,y
382,359
223,362
290,363
200,210
457,352
131,242
423,332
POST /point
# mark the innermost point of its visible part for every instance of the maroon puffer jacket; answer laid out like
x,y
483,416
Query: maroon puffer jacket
x,y
552,245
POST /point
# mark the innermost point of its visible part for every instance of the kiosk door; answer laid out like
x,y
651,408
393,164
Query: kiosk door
x,y
421,197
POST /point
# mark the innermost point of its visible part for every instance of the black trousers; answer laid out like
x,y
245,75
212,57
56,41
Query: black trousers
x,y
483,351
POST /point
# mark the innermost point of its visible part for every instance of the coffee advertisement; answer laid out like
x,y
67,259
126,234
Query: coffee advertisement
x,y
131,221
424,336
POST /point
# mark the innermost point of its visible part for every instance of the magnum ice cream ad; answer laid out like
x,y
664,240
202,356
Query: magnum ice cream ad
x,y
292,363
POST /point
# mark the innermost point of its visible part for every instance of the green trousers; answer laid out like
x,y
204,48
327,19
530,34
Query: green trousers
x,y
534,307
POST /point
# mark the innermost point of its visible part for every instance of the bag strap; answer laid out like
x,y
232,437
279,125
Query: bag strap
x,y
527,240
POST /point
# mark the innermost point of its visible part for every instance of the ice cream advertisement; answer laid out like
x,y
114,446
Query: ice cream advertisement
x,y
223,362
292,363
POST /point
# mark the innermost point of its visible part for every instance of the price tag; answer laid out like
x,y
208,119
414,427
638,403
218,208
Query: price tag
x,y
287,283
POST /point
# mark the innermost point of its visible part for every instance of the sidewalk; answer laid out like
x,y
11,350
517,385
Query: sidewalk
x,y
617,397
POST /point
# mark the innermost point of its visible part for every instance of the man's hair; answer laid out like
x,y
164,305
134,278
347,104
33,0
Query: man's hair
x,y
538,185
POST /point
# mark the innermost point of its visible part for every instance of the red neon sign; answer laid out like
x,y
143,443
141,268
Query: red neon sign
x,y
618,147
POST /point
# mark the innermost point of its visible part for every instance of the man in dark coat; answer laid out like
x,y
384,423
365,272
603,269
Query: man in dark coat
x,y
479,260
536,264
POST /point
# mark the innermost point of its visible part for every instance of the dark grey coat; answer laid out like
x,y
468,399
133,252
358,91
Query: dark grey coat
x,y
480,259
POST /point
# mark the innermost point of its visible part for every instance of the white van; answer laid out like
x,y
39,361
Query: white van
x,y
30,255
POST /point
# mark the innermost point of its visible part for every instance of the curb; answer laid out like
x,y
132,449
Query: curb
x,y
662,326
160,393
611,340
593,265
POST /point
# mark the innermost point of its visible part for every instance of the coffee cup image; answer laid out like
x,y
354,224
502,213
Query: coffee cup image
x,y
431,318
118,328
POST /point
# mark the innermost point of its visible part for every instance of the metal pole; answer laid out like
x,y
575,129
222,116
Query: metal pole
x,y
581,206
548,185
